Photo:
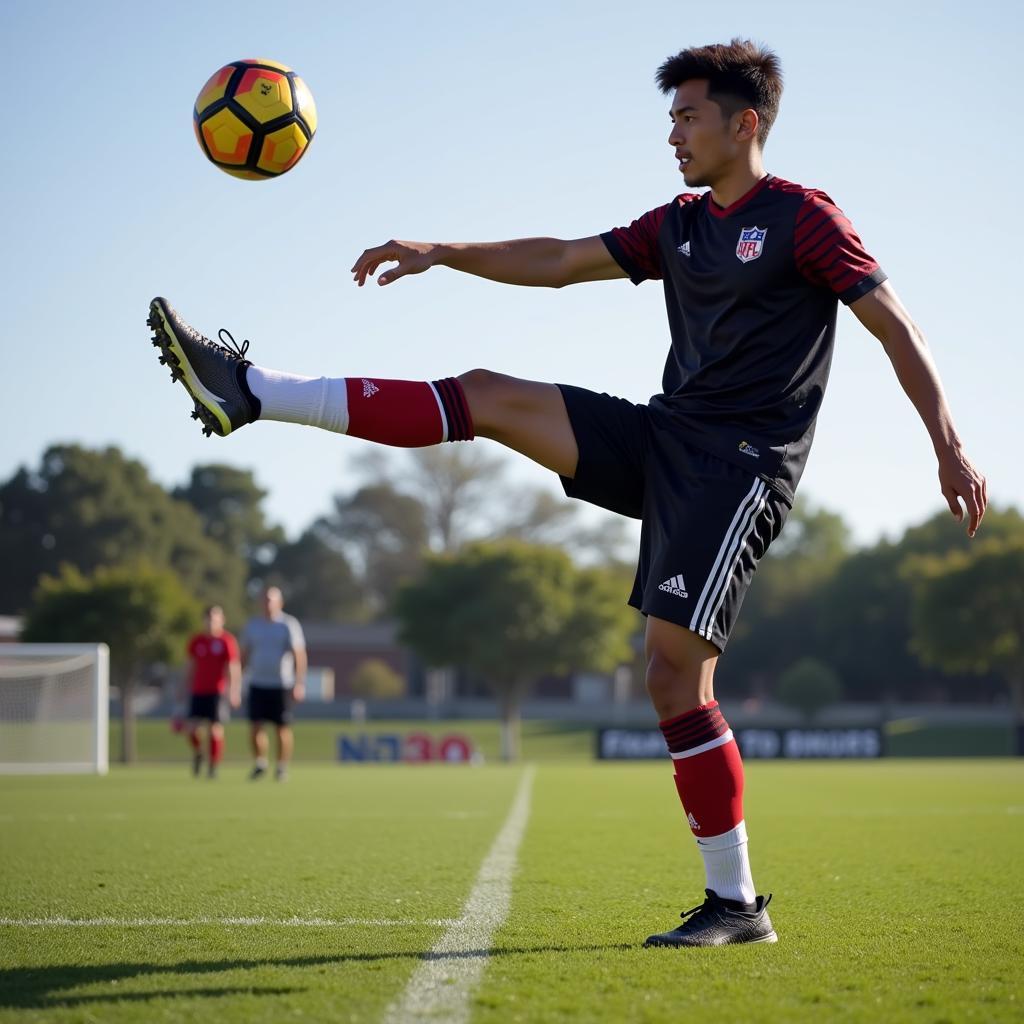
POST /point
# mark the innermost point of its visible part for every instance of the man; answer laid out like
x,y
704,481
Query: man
x,y
274,653
214,662
753,270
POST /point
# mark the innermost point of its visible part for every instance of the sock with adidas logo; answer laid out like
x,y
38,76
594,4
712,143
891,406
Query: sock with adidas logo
x,y
401,413
709,780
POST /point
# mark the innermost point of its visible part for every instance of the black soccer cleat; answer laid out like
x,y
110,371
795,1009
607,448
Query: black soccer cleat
x,y
197,763
213,374
719,922
258,771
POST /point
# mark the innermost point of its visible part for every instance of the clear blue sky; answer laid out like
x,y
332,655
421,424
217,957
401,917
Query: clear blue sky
x,y
467,121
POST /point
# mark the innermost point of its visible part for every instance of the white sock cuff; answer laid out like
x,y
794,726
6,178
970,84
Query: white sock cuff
x,y
289,398
734,837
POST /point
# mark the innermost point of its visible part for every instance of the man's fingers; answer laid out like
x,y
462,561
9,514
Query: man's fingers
x,y
953,501
976,506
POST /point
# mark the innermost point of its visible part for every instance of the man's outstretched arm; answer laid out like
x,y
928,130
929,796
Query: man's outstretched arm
x,y
536,262
882,313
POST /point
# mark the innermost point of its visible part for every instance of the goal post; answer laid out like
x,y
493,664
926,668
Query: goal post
x,y
54,708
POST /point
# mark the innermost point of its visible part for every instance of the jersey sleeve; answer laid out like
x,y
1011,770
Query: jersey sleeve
x,y
635,248
190,650
298,638
231,646
830,254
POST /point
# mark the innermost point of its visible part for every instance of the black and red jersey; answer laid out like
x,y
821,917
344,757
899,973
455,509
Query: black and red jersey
x,y
751,291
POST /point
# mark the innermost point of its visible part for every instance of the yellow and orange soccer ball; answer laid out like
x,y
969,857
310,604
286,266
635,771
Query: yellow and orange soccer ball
x,y
255,118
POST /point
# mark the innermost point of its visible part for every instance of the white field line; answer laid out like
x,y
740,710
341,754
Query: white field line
x,y
440,987
231,922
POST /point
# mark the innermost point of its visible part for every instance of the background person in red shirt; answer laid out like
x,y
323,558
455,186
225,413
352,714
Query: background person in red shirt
x,y
214,664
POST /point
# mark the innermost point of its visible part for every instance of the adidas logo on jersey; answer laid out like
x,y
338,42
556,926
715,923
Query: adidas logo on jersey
x,y
684,249
692,822
675,585
369,388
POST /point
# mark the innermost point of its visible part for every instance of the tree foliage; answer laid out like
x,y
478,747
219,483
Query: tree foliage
x,y
809,686
93,508
383,533
143,613
511,612
376,679
317,581
968,612
229,504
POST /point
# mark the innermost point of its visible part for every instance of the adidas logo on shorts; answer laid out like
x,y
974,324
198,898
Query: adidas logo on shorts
x,y
675,585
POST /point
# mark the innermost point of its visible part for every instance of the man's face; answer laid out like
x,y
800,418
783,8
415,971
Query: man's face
x,y
273,602
702,137
214,620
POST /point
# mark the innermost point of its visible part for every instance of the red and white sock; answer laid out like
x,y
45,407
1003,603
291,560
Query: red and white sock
x,y
401,413
709,780
216,748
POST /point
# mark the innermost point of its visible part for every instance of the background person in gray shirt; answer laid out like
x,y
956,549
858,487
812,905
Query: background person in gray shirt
x,y
274,656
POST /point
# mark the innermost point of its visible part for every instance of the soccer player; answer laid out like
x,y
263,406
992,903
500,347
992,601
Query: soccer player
x,y
214,664
274,653
753,269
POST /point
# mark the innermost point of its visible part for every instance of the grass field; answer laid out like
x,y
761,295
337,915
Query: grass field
x,y
898,894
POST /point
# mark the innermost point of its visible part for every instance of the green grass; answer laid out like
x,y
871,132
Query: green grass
x,y
897,886
317,740
541,740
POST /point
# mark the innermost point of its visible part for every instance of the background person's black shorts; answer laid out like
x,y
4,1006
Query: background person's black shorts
x,y
210,706
706,522
270,704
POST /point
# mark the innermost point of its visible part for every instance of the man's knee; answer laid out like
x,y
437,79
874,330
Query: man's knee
x,y
490,396
680,668
674,686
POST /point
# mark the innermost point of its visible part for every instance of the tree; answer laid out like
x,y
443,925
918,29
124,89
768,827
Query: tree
x,y
317,581
229,504
862,615
142,613
384,535
92,508
464,497
809,686
510,612
538,516
968,613
782,609
376,679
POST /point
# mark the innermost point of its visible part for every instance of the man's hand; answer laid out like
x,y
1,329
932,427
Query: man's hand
x,y
960,481
299,692
411,257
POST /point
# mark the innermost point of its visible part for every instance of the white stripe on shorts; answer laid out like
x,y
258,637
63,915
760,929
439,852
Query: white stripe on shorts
x,y
717,584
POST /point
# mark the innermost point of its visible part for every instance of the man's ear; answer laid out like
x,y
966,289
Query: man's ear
x,y
745,124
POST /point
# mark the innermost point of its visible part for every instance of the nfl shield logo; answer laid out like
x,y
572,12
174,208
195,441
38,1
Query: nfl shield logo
x,y
750,244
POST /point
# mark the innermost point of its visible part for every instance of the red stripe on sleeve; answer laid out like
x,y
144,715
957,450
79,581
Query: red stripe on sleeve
x,y
827,249
638,244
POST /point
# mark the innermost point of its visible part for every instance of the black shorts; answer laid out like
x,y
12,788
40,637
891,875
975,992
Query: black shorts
x,y
706,522
270,704
210,706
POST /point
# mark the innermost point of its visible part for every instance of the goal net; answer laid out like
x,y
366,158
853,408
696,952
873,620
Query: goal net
x,y
53,708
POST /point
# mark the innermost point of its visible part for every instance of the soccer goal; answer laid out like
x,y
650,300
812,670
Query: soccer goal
x,y
53,708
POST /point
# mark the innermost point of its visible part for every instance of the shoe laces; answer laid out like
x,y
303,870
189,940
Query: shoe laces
x,y
229,345
696,911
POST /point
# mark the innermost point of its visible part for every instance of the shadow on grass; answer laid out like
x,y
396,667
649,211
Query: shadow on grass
x,y
27,988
